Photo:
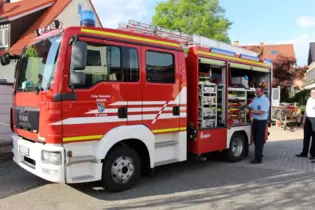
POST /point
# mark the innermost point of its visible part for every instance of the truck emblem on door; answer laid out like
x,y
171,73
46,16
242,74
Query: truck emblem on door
x,y
100,106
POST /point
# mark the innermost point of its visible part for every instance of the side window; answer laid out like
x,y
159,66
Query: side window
x,y
160,67
103,64
131,73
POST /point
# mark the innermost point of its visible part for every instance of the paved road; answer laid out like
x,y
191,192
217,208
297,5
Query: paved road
x,y
5,104
282,181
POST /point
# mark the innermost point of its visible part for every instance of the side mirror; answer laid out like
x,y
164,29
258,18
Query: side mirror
x,y
5,59
78,55
77,78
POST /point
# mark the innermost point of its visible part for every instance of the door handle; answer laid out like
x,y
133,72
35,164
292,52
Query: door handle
x,y
122,112
176,110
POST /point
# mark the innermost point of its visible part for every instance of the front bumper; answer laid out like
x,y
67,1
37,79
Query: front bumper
x,y
28,155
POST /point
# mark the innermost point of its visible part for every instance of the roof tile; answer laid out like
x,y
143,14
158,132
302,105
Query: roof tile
x,y
283,49
43,21
17,8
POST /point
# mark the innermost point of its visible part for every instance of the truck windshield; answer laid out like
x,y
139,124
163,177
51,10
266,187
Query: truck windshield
x,y
38,65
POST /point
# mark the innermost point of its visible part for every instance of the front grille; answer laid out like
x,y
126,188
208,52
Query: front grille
x,y
26,118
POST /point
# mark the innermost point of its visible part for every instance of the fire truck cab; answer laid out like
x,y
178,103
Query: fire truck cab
x,y
94,104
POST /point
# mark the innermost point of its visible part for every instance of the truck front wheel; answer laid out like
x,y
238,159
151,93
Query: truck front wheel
x,y
121,169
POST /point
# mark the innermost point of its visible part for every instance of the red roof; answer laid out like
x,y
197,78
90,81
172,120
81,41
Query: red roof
x,y
272,51
46,19
18,8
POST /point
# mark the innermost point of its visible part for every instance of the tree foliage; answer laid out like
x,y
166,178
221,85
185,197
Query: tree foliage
x,y
203,17
285,73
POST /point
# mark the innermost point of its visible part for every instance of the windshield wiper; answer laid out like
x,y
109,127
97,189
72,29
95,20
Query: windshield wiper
x,y
18,90
36,88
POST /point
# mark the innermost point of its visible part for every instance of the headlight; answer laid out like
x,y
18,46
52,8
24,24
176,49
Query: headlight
x,y
51,157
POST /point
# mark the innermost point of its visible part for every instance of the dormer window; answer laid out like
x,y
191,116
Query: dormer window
x,y
274,52
4,36
80,8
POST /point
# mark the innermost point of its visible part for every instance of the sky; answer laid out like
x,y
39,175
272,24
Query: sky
x,y
254,21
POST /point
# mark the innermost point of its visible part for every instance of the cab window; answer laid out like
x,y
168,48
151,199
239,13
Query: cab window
x,y
160,67
108,63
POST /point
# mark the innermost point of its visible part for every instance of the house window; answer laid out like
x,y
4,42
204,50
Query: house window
x,y
80,8
274,52
4,36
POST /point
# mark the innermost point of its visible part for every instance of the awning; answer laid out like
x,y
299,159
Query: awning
x,y
248,67
212,61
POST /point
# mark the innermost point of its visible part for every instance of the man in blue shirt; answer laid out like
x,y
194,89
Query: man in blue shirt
x,y
259,108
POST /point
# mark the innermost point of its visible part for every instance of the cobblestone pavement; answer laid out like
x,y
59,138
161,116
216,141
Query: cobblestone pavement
x,y
281,182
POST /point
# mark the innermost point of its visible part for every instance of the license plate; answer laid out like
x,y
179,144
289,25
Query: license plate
x,y
24,150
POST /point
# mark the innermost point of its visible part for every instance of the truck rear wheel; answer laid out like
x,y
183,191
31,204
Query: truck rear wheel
x,y
121,169
237,149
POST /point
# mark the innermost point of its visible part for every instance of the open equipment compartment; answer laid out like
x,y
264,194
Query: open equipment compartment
x,y
211,93
241,88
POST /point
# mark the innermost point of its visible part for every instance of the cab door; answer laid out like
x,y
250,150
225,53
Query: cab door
x,y
101,99
132,85
160,93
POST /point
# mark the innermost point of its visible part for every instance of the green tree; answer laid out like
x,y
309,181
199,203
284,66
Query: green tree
x,y
203,17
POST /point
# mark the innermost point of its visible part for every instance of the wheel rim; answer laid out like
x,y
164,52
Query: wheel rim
x,y
122,169
237,147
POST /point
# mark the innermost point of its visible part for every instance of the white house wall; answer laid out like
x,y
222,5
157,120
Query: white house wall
x,y
7,72
70,16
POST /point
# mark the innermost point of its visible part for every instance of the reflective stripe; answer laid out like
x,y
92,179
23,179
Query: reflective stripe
x,y
232,58
135,38
82,138
168,130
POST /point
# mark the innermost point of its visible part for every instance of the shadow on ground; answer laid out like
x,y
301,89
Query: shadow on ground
x,y
193,184
14,180
218,184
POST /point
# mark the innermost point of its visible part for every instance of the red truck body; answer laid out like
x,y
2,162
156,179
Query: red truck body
x,y
139,105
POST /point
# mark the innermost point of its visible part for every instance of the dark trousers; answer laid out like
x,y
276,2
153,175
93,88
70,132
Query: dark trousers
x,y
259,131
309,131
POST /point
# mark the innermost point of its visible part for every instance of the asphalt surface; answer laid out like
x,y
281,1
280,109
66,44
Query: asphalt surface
x,y
281,182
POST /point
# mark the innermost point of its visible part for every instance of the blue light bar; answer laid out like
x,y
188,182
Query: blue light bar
x,y
223,52
87,18
248,57
268,61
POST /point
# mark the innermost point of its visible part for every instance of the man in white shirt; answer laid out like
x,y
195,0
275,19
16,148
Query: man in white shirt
x,y
309,127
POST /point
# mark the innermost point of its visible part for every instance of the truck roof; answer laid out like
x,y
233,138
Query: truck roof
x,y
132,36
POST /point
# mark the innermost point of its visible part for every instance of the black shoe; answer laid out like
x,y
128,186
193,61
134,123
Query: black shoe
x,y
301,155
255,161
312,158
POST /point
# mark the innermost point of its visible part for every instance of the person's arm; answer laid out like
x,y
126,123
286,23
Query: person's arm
x,y
249,106
263,108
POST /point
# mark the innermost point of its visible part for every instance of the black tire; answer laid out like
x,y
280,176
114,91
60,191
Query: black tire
x,y
237,156
121,154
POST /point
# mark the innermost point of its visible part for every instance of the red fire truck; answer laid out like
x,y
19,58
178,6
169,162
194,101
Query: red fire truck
x,y
98,104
